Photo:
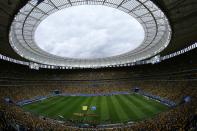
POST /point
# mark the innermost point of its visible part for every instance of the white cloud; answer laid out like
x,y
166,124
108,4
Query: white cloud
x,y
89,32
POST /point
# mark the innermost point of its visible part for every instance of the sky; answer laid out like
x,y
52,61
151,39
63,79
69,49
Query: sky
x,y
88,32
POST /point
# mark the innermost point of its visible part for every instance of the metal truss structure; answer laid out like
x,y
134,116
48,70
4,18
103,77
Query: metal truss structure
x,y
155,24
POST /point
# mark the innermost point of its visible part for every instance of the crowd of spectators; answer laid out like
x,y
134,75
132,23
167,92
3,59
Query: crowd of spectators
x,y
22,92
182,117
172,79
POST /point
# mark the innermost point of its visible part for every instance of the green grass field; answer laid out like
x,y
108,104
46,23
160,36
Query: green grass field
x,y
116,108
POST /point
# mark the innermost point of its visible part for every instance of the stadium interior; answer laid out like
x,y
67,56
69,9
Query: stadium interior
x,y
171,82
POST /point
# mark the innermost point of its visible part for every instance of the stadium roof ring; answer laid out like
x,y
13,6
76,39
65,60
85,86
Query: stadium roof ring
x,y
153,20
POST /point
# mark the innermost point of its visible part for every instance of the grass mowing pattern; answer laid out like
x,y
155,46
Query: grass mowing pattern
x,y
113,109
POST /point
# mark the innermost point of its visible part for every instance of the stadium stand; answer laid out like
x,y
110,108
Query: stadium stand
x,y
174,83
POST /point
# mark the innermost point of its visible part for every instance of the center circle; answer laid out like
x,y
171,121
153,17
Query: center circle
x,y
88,32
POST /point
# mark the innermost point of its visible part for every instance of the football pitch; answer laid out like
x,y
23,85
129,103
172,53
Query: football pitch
x,y
113,109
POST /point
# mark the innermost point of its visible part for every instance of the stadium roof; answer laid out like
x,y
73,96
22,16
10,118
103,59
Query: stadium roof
x,y
181,14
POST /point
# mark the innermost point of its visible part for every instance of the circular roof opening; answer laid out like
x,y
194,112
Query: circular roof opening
x,y
88,32
88,38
